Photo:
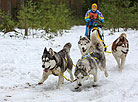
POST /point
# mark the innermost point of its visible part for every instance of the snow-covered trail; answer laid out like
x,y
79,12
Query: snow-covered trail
x,y
20,71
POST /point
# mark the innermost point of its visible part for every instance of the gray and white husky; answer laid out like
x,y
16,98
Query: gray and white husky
x,y
86,47
85,66
56,63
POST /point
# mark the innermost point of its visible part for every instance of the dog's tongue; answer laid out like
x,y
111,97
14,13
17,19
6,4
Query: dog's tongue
x,y
84,50
46,70
124,52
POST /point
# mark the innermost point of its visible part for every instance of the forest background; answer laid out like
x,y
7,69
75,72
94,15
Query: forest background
x,y
58,15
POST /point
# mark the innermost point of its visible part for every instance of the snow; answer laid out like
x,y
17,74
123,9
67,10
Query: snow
x,y
20,71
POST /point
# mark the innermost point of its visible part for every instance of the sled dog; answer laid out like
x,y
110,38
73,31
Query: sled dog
x,y
85,66
86,48
56,63
85,45
120,48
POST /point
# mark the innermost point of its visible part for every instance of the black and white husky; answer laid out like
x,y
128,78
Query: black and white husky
x,y
85,66
56,63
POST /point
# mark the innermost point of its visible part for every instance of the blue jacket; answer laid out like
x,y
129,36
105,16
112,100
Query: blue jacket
x,y
93,16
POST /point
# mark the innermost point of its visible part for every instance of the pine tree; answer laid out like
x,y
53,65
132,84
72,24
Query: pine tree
x,y
7,23
27,16
54,16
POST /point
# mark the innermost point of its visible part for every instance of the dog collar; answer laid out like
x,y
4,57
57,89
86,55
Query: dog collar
x,y
54,67
89,54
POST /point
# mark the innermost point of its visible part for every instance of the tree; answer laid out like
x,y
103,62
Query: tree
x,y
7,23
54,17
26,16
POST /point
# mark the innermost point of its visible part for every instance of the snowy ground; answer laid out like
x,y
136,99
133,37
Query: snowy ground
x,y
20,71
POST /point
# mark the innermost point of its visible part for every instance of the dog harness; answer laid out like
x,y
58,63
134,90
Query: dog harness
x,y
89,59
59,64
91,54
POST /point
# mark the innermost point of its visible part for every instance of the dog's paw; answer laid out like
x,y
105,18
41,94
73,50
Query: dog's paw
x,y
120,70
40,83
106,74
58,87
95,85
119,66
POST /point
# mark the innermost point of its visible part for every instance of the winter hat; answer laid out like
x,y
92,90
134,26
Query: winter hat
x,y
94,5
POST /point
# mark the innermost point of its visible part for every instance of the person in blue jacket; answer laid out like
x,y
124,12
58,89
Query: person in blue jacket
x,y
92,17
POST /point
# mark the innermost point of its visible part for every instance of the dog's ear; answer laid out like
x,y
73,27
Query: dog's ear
x,y
86,38
45,51
124,35
98,44
51,51
122,39
80,37
85,74
84,69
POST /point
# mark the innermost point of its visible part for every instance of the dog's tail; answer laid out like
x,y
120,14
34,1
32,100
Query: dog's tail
x,y
67,47
96,41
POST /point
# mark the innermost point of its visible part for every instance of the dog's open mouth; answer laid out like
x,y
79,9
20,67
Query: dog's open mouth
x,y
84,50
46,69
124,52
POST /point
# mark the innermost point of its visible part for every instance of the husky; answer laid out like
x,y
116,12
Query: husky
x,y
86,47
120,48
56,63
100,58
85,66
